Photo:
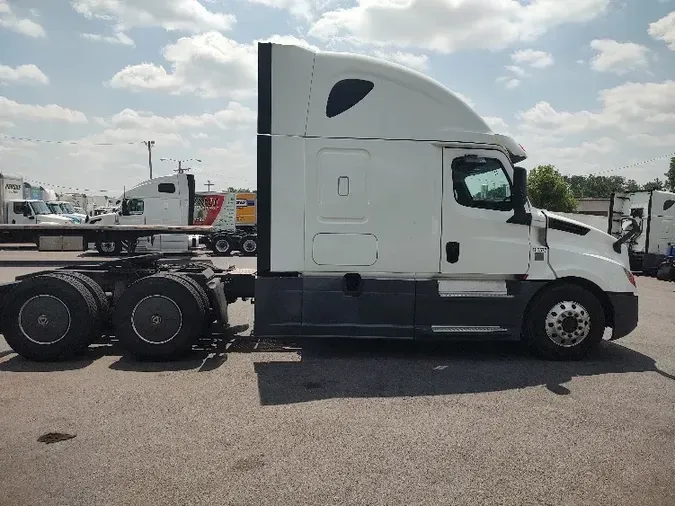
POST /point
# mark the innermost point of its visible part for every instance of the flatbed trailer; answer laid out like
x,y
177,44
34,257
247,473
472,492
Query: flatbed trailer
x,y
121,237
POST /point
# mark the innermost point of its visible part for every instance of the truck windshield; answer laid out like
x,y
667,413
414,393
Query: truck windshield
x,y
67,208
40,207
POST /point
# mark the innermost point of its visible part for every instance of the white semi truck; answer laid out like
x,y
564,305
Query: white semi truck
x,y
654,212
172,200
343,252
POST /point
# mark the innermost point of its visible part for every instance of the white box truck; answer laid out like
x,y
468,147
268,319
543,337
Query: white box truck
x,y
15,209
343,252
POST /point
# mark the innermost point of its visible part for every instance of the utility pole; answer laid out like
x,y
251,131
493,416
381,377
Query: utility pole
x,y
180,168
208,185
149,144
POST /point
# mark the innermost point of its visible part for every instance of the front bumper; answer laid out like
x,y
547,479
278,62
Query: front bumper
x,y
625,307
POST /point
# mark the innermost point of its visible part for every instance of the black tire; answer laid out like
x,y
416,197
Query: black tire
x,y
249,246
159,317
54,328
101,299
109,248
221,245
550,314
198,292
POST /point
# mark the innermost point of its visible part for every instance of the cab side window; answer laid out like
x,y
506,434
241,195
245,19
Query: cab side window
x,y
133,207
481,183
19,207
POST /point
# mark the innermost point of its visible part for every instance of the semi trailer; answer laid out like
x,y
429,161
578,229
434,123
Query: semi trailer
x,y
343,252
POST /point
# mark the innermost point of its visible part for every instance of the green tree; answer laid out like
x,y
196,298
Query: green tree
x,y
548,189
594,186
657,184
670,175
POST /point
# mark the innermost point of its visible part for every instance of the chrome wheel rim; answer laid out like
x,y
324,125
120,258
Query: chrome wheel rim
x,y
568,324
249,246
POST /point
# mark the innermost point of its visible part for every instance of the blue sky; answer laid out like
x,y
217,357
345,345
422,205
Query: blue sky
x,y
587,85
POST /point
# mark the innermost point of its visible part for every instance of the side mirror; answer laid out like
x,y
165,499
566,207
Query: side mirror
x,y
26,212
519,198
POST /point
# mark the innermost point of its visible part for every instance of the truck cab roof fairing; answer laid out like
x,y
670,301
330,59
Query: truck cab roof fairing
x,y
388,101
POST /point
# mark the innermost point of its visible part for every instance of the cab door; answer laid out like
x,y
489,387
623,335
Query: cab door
x,y
476,236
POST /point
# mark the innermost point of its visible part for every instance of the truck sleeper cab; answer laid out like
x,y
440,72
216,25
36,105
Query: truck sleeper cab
x,y
414,222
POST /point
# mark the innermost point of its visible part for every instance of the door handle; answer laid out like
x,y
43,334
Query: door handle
x,y
452,251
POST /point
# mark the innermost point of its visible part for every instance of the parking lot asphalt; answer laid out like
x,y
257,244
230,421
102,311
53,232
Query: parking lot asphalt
x,y
347,423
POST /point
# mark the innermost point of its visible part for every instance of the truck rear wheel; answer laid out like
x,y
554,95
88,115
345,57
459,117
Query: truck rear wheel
x,y
198,291
159,317
564,323
221,245
101,299
49,317
249,246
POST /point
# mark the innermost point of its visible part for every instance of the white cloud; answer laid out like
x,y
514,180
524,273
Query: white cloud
x,y
51,112
303,9
119,38
171,15
17,24
509,82
516,70
451,25
414,61
208,64
536,59
497,124
629,109
654,140
23,74
664,29
618,57
234,116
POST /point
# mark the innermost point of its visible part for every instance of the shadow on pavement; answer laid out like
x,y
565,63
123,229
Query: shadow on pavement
x,y
80,361
200,360
407,369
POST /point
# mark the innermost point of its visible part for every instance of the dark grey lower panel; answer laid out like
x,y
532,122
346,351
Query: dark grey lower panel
x,y
370,308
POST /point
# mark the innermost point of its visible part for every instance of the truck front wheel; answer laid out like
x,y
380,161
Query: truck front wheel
x,y
564,323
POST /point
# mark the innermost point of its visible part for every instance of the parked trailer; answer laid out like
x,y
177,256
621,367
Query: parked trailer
x,y
351,255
